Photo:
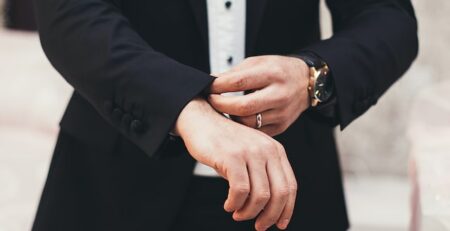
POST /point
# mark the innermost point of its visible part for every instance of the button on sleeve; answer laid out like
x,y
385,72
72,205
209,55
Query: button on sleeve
x,y
137,126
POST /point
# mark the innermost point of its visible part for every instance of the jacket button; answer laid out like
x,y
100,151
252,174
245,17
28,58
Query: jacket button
x,y
137,126
117,114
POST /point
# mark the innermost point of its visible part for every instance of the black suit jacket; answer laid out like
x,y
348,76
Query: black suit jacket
x,y
134,64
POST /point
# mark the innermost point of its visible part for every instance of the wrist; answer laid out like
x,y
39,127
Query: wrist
x,y
191,114
305,76
301,73
321,85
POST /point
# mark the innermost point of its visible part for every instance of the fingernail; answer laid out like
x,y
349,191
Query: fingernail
x,y
284,224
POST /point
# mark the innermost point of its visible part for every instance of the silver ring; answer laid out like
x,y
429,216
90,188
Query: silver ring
x,y
258,120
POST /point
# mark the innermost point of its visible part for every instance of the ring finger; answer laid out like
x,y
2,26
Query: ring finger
x,y
268,117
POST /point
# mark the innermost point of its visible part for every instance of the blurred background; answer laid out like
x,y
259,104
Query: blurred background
x,y
396,157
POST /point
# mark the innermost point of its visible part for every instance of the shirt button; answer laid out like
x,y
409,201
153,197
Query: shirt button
x,y
230,60
228,5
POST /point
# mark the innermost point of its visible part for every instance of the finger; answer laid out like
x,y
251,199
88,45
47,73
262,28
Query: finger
x,y
239,184
272,116
240,80
286,215
259,193
244,105
279,189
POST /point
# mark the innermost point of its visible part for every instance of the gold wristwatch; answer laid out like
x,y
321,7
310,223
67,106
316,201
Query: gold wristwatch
x,y
321,84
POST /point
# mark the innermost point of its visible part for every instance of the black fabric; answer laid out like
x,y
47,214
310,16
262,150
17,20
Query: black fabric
x,y
94,188
202,210
19,14
134,65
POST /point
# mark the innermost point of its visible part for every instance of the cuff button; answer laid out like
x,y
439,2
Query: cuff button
x,y
137,126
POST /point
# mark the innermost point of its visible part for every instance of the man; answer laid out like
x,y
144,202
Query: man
x,y
140,72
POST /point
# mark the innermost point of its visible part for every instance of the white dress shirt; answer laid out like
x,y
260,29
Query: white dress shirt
x,y
226,27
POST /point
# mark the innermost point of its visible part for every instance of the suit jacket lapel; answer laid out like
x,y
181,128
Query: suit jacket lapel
x,y
255,11
199,10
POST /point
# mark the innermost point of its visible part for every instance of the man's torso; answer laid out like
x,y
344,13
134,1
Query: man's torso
x,y
115,179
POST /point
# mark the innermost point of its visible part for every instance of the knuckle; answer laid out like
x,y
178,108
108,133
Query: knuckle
x,y
262,196
269,147
239,82
280,147
249,151
246,107
235,155
283,191
277,147
242,189
280,99
277,71
285,98
218,165
255,152
286,114
274,153
293,186
282,117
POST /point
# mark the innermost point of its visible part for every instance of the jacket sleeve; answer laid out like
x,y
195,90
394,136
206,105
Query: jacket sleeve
x,y
138,90
373,44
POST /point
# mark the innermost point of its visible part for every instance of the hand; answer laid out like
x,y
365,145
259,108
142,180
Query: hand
x,y
255,165
280,92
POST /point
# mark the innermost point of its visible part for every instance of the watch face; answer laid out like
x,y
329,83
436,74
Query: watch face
x,y
323,88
